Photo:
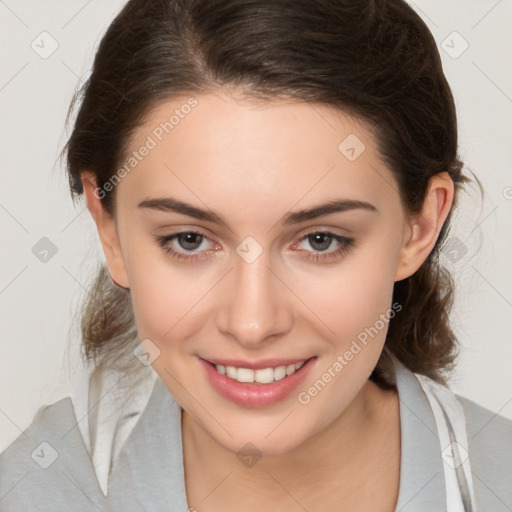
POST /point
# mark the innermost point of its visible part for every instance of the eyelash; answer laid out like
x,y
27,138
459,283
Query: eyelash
x,y
346,245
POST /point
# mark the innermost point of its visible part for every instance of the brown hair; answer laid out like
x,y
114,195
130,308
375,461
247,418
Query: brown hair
x,y
374,59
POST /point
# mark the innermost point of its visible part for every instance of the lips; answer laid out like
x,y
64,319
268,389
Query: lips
x,y
247,393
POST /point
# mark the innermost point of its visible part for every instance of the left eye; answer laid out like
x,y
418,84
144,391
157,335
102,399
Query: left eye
x,y
191,241
320,241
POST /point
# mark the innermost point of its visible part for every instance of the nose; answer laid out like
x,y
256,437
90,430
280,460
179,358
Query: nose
x,y
255,307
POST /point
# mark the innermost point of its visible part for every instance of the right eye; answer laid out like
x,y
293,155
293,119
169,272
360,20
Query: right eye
x,y
188,241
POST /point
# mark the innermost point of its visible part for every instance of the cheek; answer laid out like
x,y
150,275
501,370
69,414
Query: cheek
x,y
350,297
356,304
163,294
165,300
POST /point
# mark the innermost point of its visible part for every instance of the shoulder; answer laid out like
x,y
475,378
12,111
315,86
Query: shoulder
x,y
488,429
22,451
47,463
490,449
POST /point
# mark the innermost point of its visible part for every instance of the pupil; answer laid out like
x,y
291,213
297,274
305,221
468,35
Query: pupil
x,y
317,238
187,241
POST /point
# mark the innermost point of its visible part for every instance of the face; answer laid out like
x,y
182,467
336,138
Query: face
x,y
223,268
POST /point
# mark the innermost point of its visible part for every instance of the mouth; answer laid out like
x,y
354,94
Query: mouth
x,y
265,373
266,383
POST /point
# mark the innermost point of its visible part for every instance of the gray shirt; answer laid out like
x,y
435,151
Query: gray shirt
x,y
49,468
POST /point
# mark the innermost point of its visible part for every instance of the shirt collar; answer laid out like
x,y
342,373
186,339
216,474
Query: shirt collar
x,y
422,484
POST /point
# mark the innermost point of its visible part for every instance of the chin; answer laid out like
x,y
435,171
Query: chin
x,y
264,441
258,446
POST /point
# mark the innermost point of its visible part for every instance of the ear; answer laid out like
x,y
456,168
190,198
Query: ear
x,y
107,229
424,227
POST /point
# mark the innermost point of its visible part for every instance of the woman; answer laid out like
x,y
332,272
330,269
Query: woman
x,y
272,183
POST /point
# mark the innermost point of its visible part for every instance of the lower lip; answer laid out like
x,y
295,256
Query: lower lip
x,y
248,394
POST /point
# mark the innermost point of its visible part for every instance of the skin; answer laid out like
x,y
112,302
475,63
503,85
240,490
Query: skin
x,y
253,163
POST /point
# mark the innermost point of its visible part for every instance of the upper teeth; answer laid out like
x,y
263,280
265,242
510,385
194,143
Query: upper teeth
x,y
262,376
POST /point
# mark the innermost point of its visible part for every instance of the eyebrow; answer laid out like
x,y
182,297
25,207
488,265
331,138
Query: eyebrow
x,y
169,204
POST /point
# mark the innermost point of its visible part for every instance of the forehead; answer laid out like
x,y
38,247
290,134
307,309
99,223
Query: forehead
x,y
223,147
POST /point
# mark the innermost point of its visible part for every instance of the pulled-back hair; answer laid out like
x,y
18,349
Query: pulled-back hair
x,y
373,59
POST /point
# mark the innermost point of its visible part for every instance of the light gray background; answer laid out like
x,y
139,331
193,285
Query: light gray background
x,y
39,357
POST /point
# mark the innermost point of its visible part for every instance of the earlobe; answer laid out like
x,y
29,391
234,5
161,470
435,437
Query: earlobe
x,y
106,225
425,225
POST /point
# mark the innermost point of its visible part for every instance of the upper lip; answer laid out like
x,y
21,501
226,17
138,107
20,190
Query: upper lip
x,y
256,365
